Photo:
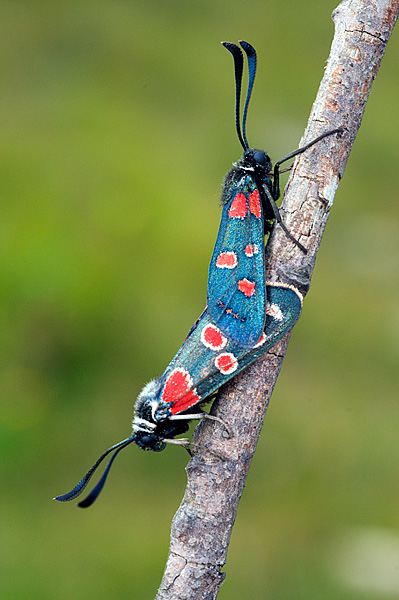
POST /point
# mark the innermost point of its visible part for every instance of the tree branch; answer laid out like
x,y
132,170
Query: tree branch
x,y
202,526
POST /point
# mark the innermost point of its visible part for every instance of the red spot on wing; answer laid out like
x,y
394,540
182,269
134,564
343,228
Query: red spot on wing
x,y
238,208
226,260
261,340
274,311
185,402
251,249
246,287
177,391
226,363
254,204
212,338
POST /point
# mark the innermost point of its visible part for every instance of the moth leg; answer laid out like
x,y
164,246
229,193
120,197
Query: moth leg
x,y
279,220
213,418
286,169
183,442
187,445
202,415
276,172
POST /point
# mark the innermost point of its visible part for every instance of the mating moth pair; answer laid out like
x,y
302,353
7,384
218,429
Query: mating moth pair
x,y
245,315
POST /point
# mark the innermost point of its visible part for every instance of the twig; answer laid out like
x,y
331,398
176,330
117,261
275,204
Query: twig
x,y
202,526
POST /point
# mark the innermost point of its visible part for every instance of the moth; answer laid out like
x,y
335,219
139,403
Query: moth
x,y
244,316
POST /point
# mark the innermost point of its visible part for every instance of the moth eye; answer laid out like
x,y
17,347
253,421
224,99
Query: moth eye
x,y
147,440
260,157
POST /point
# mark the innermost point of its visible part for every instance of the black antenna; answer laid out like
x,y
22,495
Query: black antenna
x,y
79,487
238,68
251,55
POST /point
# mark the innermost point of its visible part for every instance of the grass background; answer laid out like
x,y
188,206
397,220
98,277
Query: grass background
x,y
117,128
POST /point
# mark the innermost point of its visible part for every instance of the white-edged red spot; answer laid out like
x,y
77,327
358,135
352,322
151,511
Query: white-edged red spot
x,y
238,208
226,363
212,338
273,310
226,260
254,204
246,287
177,390
261,340
251,249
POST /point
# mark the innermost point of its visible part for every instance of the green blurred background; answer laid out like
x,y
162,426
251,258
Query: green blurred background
x,y
117,128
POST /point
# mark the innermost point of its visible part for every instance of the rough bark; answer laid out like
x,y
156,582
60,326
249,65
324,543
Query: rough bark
x,y
202,526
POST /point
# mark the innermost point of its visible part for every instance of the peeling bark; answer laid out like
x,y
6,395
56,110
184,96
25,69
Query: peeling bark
x,y
202,526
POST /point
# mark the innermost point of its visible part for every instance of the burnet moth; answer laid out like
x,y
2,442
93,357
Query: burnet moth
x,y
244,317
236,283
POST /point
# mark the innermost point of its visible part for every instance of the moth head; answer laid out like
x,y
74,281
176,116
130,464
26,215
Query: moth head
x,y
258,160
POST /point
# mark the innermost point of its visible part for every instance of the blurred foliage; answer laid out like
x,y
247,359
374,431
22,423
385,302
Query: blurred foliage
x,y
117,128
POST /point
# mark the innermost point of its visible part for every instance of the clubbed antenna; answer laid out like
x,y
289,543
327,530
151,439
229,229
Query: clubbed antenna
x,y
251,55
238,69
79,487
